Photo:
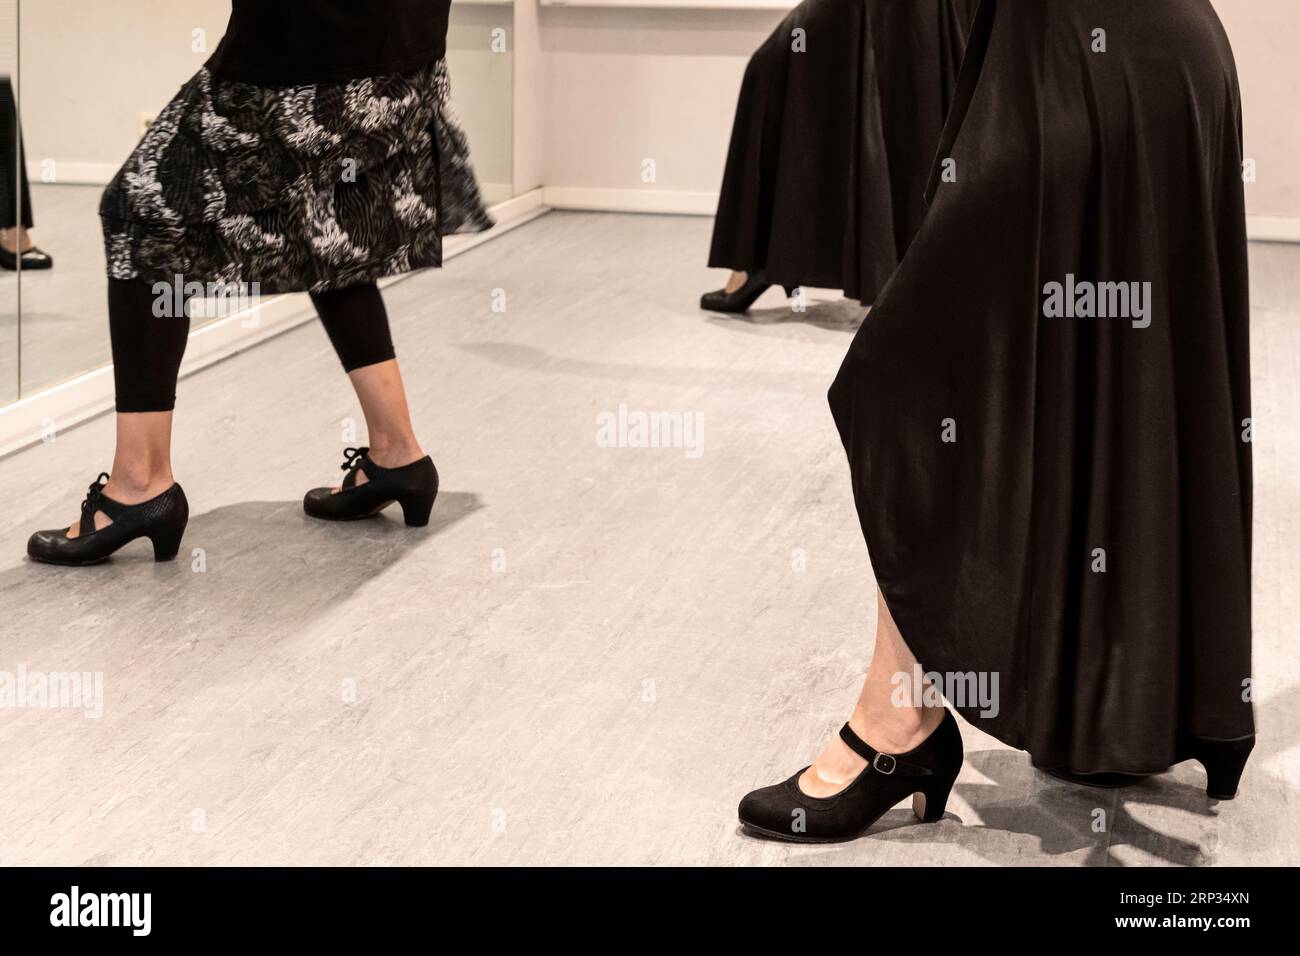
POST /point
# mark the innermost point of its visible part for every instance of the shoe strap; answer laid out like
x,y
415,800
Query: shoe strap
x,y
880,761
97,501
354,460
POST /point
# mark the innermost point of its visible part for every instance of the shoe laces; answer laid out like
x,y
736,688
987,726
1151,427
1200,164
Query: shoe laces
x,y
353,458
94,493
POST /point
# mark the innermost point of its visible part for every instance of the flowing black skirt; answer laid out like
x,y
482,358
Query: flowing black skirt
x,y
1060,500
840,112
303,188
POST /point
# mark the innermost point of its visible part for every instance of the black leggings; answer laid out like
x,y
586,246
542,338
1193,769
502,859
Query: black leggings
x,y
149,338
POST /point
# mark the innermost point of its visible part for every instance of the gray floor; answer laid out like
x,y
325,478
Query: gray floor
x,y
593,652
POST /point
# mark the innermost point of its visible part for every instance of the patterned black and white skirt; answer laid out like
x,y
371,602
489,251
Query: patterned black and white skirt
x,y
302,188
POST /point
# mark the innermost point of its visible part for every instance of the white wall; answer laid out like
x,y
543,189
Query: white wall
x,y
481,92
596,90
622,85
626,85
91,68
1266,41
8,37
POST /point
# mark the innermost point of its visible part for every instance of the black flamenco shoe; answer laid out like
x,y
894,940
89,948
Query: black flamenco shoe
x,y
33,259
161,519
1224,761
412,486
926,774
734,303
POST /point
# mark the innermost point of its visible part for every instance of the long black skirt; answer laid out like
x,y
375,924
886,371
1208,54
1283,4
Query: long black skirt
x,y
302,188
1051,496
840,112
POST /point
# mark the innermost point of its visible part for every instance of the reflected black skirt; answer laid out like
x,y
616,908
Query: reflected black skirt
x,y
303,188
1053,489
840,112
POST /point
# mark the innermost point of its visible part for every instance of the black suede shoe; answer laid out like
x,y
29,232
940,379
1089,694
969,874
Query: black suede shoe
x,y
926,774
161,519
736,302
412,486
33,259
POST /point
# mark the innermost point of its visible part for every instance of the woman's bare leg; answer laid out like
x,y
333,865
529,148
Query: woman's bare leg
x,y
382,395
879,718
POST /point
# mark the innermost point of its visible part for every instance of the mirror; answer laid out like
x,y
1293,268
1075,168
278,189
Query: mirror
x,y
94,76
480,60
12,208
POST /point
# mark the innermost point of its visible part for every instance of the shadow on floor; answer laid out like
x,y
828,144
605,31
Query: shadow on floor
x,y
259,566
838,315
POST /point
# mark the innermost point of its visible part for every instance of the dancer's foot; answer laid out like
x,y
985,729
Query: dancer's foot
x,y
925,772
735,281
893,730
126,492
15,245
741,291
107,523
370,487
388,457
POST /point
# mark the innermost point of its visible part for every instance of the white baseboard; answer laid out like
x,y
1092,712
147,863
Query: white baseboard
x,y
672,201
64,173
30,420
1272,229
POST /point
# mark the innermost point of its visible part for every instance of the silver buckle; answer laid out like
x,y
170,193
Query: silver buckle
x,y
875,764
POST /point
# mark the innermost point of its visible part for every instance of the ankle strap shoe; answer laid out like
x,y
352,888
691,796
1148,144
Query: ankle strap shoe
x,y
926,773
161,519
413,486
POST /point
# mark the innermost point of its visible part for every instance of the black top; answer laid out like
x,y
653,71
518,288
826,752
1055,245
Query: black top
x,y
297,42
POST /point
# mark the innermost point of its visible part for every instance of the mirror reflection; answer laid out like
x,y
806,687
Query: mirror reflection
x,y
94,77
15,212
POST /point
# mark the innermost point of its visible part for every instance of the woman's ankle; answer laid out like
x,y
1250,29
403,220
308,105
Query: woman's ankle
x,y
132,486
894,729
394,452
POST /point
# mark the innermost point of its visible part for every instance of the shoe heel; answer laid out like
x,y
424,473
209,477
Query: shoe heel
x,y
416,509
166,544
929,804
1224,761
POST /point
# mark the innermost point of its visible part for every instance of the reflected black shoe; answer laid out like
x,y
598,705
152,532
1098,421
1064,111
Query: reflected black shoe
x,y
33,259
925,773
161,519
738,301
412,486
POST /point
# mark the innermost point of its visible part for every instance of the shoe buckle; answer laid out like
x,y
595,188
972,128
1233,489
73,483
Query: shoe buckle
x,y
887,768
